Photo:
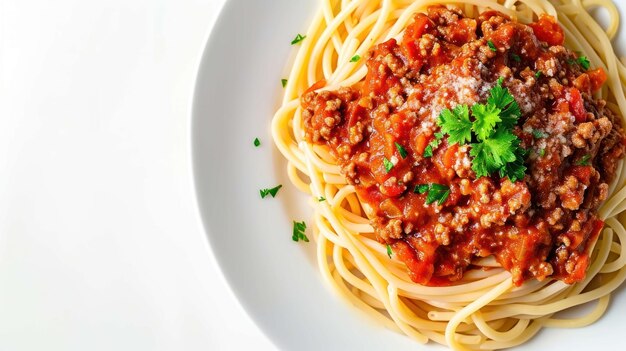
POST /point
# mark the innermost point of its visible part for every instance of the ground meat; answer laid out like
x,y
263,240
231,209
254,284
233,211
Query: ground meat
x,y
384,133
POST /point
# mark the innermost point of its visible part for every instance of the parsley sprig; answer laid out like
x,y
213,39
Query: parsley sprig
x,y
495,149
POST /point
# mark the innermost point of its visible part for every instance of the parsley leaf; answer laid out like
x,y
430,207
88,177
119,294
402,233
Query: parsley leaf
x,y
584,161
298,39
257,142
321,198
388,164
389,252
538,74
515,170
401,150
355,58
583,62
456,124
486,117
494,152
272,191
516,58
509,108
283,82
542,152
436,192
298,232
492,47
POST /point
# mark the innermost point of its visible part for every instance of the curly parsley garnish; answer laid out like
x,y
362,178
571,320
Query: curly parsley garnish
x,y
436,192
495,149
298,39
298,232
271,191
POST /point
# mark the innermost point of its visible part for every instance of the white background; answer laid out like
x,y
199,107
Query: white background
x,y
101,246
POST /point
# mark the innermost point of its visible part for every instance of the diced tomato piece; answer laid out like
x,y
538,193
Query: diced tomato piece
x,y
449,157
420,144
582,173
548,30
393,190
576,105
420,264
463,32
421,24
597,78
317,85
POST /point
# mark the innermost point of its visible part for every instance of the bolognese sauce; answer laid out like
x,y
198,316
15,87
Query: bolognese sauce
x,y
384,133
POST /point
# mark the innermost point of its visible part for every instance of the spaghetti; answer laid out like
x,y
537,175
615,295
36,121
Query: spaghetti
x,y
484,309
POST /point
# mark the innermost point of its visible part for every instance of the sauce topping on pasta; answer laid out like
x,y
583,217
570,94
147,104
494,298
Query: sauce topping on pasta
x,y
441,197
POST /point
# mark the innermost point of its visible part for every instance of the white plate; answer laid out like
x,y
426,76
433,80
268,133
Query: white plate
x,y
275,279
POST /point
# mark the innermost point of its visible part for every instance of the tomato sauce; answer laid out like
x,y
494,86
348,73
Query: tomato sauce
x,y
383,132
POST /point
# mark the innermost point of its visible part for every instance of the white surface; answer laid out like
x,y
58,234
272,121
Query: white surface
x,y
101,247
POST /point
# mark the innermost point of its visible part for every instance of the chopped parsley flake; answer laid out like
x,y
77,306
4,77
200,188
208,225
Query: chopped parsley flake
x,y
428,151
421,188
584,161
355,58
539,134
388,164
298,232
389,252
321,198
516,58
538,74
272,191
283,82
436,192
257,142
492,47
298,39
583,62
542,152
496,149
401,150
